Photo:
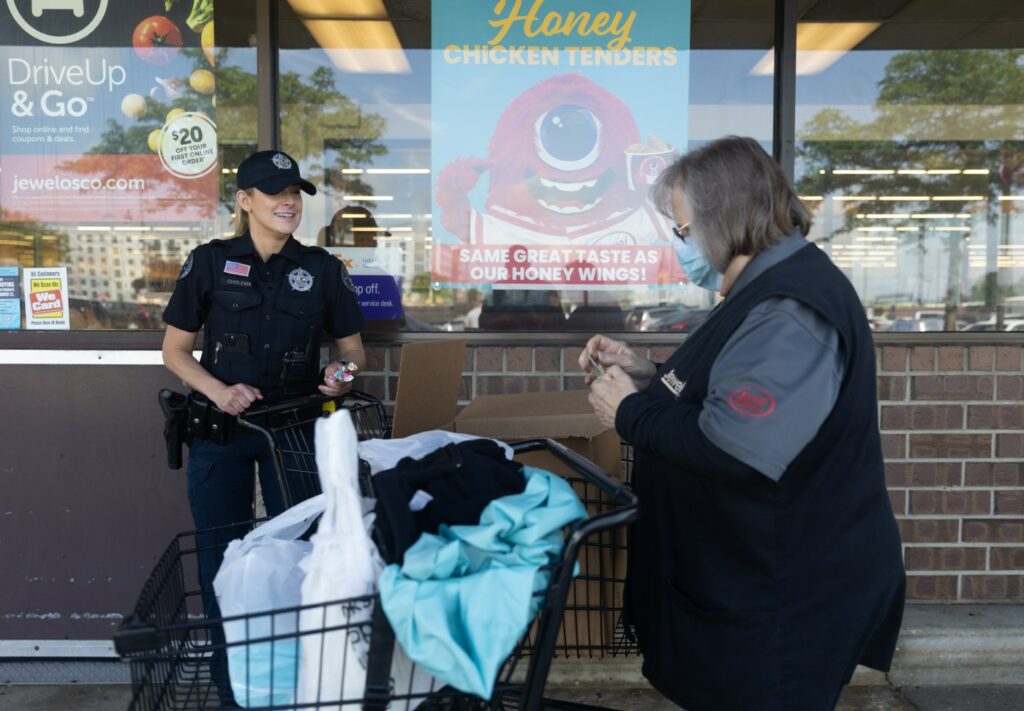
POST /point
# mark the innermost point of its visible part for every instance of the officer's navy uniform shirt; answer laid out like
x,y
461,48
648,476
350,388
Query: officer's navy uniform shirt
x,y
255,313
751,588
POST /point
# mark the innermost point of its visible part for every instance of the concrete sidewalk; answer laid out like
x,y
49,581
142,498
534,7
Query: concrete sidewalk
x,y
113,697
949,658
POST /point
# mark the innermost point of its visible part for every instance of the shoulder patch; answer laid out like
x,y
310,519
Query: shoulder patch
x,y
346,278
752,401
187,267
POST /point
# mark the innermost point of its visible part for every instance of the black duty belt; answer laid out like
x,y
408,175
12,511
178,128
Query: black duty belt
x,y
207,421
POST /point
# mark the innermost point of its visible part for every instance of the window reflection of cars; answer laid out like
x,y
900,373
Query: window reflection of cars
x,y
980,326
76,6
904,325
916,325
639,315
1014,323
522,311
679,320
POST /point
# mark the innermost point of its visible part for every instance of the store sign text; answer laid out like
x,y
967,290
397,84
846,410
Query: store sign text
x,y
53,102
554,23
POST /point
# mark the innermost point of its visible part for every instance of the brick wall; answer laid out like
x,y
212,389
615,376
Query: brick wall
x,y
952,420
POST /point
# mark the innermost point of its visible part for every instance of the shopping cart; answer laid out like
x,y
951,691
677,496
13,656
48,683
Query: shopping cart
x,y
167,640
288,428
593,625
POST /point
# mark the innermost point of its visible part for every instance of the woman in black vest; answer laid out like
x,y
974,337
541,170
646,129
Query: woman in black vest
x,y
263,301
767,562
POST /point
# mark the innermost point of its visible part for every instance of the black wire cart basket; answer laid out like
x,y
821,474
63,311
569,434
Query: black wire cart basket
x,y
170,643
593,625
288,428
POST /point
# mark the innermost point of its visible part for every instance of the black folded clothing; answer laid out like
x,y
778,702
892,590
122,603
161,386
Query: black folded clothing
x,y
456,481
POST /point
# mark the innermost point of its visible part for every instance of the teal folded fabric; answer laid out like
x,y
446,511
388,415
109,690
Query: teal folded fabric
x,y
462,598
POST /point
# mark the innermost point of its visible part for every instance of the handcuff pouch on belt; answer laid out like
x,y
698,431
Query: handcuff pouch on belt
x,y
207,421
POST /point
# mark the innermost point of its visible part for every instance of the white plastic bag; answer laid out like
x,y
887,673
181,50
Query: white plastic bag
x,y
344,564
340,567
260,573
384,454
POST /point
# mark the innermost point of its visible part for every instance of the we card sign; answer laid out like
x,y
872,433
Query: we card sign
x,y
46,298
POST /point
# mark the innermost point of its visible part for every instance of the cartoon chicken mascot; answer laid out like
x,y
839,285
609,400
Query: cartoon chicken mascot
x,y
561,168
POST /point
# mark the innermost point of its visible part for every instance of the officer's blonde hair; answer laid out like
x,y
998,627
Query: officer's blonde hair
x,y
740,200
241,216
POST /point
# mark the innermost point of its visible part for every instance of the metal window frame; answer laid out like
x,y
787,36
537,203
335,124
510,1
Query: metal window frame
x,y
784,90
268,121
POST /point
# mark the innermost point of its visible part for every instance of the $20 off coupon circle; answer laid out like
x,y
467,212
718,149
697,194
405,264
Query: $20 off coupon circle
x,y
188,146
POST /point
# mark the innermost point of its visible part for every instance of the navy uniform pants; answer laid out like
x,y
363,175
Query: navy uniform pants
x,y
220,494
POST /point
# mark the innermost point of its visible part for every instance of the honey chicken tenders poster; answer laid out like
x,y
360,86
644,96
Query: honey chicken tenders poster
x,y
551,121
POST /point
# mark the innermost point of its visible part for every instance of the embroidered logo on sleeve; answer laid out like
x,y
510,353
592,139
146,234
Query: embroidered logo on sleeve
x,y
673,383
236,268
346,279
187,267
752,401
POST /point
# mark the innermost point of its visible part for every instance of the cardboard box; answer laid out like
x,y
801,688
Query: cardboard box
x,y
595,599
428,388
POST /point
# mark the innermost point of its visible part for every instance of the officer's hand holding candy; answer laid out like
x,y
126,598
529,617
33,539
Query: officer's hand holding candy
x,y
338,377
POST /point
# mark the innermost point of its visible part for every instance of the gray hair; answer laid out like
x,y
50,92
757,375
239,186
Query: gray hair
x,y
740,200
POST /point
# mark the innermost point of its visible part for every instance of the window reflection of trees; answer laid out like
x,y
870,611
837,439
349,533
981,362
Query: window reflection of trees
x,y
944,128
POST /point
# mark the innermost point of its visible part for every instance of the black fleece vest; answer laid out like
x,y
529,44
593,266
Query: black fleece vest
x,y
751,594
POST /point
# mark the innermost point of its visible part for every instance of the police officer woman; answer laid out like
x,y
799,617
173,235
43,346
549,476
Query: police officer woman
x,y
263,301
767,563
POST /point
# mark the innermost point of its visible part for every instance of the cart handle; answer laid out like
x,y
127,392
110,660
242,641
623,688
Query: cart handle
x,y
619,492
295,403
136,637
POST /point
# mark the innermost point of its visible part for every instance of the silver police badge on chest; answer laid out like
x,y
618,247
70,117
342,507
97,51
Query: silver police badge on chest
x,y
300,280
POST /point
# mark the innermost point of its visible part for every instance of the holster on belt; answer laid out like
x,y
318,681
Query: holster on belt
x,y
175,409
207,421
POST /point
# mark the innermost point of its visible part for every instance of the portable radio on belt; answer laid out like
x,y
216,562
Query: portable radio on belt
x,y
294,369
297,368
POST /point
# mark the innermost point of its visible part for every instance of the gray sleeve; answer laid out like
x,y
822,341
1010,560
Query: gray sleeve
x,y
773,385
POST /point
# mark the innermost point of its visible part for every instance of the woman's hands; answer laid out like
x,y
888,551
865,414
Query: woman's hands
x,y
625,373
236,399
608,352
607,393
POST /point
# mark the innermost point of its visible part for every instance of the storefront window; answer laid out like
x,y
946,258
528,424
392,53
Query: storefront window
x,y
117,119
909,152
486,165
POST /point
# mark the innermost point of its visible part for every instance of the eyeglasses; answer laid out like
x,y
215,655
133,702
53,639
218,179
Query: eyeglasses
x,y
681,231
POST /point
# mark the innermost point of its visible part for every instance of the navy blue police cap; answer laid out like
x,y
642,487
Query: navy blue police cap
x,y
271,172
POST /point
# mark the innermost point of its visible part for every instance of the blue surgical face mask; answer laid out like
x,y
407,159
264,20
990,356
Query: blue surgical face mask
x,y
698,269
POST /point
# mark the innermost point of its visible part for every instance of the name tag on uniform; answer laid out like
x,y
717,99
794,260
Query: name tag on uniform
x,y
673,383
236,268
